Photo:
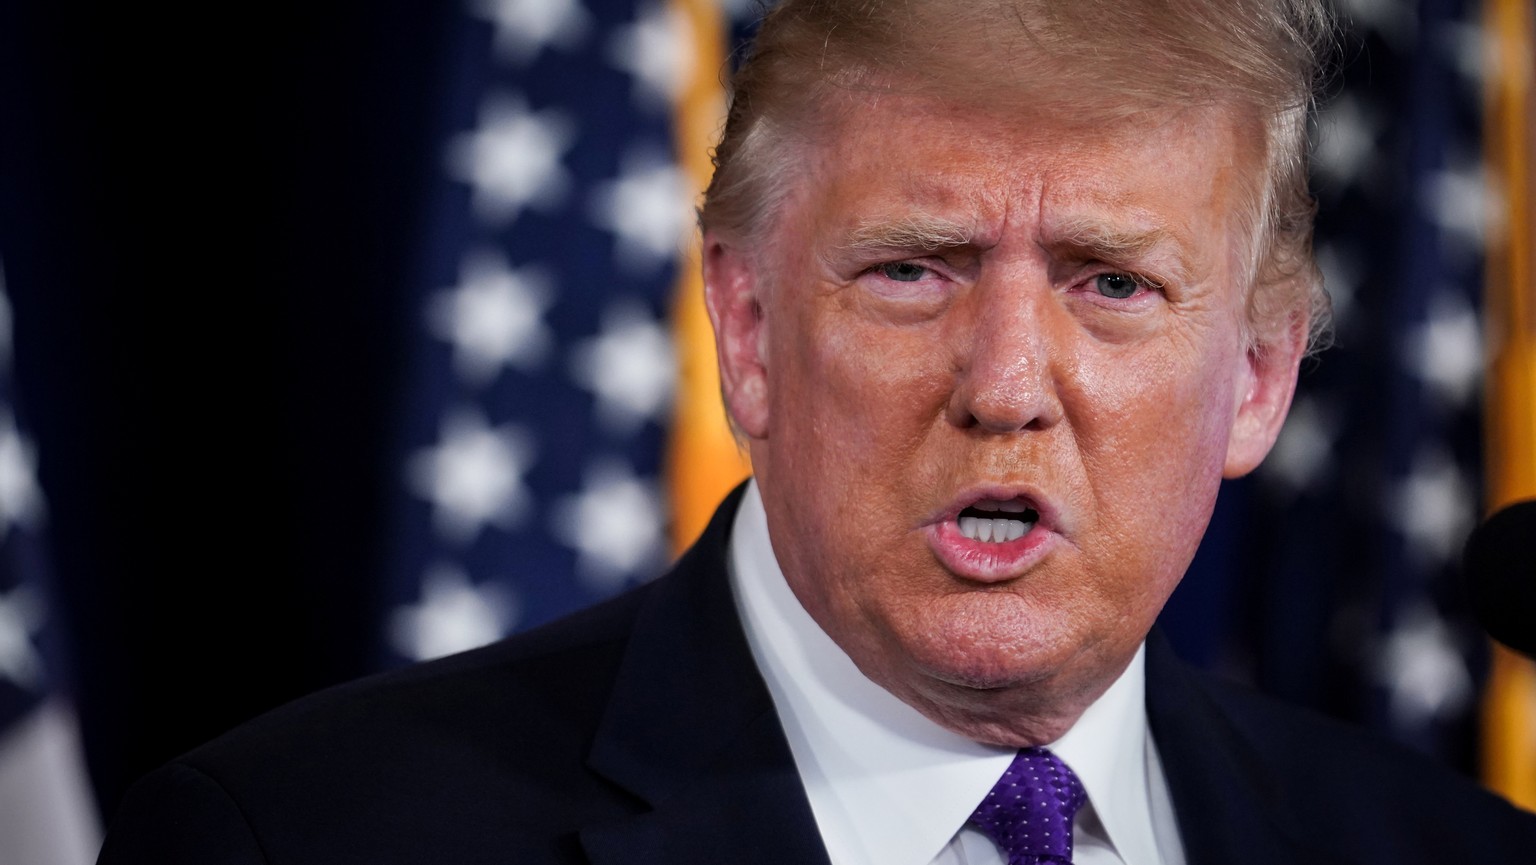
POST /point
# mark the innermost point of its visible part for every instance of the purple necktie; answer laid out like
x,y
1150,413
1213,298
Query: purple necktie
x,y
1028,814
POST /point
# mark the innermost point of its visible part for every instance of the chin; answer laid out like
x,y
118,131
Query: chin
x,y
986,663
1013,702
996,640
1006,656
985,671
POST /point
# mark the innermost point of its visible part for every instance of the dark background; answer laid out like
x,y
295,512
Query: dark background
x,y
205,224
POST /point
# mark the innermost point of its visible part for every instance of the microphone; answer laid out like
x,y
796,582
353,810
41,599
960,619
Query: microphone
x,y
1499,562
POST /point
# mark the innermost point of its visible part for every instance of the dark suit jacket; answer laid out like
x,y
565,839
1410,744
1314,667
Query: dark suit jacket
x,y
640,732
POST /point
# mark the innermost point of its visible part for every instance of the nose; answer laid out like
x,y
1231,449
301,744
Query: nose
x,y
1007,356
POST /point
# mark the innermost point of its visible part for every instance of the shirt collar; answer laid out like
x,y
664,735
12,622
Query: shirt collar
x,y
886,784
1107,748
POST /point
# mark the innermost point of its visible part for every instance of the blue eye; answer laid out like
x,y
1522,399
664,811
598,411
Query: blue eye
x,y
902,271
1115,285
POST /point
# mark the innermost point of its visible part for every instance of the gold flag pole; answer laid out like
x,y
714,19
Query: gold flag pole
x,y
1509,703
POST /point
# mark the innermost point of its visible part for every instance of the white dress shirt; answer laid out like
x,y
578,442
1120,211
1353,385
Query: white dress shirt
x,y
890,787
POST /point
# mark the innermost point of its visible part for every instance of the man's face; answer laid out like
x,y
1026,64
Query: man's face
x,y
992,371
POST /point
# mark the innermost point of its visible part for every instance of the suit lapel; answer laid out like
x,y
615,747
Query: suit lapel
x,y
691,730
1224,791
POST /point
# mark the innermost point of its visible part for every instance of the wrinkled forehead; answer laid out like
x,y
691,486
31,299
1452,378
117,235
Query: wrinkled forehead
x,y
889,163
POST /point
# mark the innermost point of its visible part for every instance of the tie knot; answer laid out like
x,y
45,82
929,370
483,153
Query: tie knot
x,y
1028,814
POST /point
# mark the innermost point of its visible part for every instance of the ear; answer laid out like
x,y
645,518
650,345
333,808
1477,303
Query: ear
x,y
732,292
1265,388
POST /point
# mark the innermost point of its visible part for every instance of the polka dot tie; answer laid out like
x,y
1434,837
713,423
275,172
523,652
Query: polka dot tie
x,y
1028,814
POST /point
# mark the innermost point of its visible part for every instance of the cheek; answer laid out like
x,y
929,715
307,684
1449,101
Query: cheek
x,y
864,391
1173,399
853,405
1155,448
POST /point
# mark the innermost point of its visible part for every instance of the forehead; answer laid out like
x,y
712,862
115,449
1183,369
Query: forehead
x,y
1188,176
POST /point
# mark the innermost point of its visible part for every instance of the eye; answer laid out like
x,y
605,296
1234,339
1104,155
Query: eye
x,y
902,271
1116,285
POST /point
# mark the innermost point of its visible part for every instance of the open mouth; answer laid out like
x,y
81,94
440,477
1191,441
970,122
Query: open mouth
x,y
999,534
992,521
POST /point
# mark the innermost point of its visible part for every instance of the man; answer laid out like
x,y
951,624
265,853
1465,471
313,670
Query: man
x,y
1001,291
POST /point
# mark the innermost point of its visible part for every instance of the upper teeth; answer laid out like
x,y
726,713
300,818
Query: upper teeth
x,y
1010,506
994,530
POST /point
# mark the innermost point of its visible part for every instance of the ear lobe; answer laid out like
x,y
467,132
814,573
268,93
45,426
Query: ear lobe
x,y
732,295
1264,399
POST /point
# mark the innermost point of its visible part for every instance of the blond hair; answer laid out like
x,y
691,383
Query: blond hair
x,y
1110,56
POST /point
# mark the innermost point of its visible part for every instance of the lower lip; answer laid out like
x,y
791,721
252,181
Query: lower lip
x,y
985,561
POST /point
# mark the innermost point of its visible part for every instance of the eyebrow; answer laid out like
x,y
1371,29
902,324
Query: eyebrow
x,y
1083,237
927,233
1116,245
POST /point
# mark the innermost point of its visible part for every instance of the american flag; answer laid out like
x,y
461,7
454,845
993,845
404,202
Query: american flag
x,y
530,441
1334,571
531,438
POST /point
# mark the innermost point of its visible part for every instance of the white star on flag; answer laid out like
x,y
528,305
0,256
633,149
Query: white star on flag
x,y
630,367
512,160
1421,666
1304,451
21,616
21,500
1433,507
1341,274
1346,141
1473,52
1461,201
615,525
1446,351
648,208
474,476
1394,20
525,27
658,51
454,615
494,317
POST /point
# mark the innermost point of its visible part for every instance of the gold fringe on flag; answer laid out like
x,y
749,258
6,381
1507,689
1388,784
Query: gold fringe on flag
x,y
703,461
1509,703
